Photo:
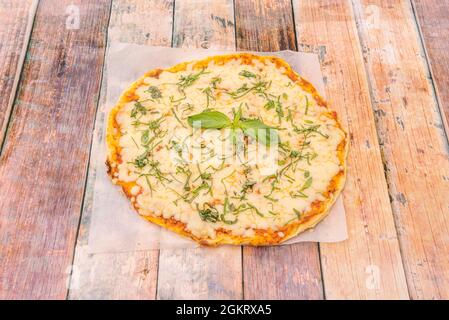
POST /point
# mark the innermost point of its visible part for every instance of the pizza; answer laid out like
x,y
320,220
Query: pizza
x,y
232,149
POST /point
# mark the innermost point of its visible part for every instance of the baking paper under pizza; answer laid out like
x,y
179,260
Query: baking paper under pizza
x,y
232,149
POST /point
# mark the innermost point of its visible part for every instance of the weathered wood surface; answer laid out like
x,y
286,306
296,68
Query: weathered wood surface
x,y
264,25
128,275
377,79
367,265
15,28
433,20
202,273
290,272
413,142
44,159
204,24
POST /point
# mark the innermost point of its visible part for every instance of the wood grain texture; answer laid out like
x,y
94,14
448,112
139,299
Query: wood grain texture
x,y
44,161
128,275
16,23
290,272
283,272
204,24
202,273
368,265
142,22
376,79
265,25
113,276
433,19
413,142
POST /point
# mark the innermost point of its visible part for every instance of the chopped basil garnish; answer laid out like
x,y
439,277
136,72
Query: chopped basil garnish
x,y
209,214
155,92
300,193
247,74
138,108
187,81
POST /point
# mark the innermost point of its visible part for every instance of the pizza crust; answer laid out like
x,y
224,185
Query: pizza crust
x,y
261,237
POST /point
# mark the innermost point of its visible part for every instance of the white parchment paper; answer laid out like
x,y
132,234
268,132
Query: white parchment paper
x,y
115,226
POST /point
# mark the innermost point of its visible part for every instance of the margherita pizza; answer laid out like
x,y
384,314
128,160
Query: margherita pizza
x,y
232,149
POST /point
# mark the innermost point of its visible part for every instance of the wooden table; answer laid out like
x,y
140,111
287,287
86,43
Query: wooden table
x,y
385,66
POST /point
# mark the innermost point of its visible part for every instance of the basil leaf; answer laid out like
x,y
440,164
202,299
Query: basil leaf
x,y
251,127
209,120
258,130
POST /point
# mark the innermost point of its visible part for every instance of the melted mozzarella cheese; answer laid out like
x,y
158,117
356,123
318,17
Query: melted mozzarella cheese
x,y
164,190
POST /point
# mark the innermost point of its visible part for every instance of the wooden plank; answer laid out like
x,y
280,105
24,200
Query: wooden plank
x,y
290,272
44,160
265,25
203,273
414,144
368,265
204,24
433,21
124,275
128,275
17,20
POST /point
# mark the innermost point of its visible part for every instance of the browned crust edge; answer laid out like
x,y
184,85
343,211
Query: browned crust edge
x,y
262,237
